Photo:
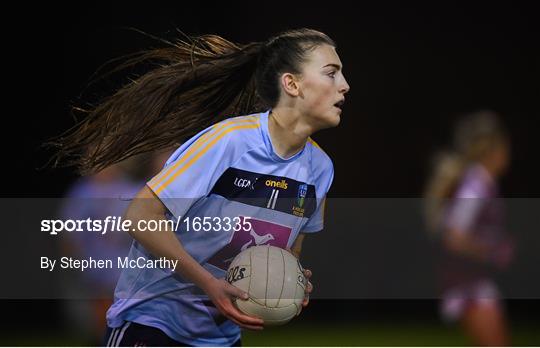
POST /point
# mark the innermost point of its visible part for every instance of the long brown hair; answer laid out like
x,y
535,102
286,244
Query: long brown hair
x,y
475,135
194,82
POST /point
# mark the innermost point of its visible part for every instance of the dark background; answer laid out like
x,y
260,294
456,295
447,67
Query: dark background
x,y
412,69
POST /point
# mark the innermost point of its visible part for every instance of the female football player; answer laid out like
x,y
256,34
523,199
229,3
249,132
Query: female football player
x,y
465,209
255,179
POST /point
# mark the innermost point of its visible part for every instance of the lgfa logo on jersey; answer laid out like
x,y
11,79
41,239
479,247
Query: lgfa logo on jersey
x,y
243,183
279,184
298,210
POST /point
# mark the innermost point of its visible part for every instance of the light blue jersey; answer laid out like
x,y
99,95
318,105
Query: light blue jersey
x,y
230,180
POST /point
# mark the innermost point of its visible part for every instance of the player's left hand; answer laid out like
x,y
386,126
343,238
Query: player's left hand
x,y
309,287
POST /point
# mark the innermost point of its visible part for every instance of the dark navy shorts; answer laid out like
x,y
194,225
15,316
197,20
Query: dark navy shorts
x,y
136,335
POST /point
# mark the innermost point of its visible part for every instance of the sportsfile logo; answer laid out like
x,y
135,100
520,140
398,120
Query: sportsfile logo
x,y
278,184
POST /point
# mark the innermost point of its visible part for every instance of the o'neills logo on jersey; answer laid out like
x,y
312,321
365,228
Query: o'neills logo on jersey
x,y
244,183
279,184
279,193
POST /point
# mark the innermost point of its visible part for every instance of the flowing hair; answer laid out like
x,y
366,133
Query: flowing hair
x,y
474,136
194,83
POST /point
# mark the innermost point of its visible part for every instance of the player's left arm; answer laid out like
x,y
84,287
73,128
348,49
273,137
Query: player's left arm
x,y
296,250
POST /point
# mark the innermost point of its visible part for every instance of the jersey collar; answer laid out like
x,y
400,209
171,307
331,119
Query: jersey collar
x,y
268,141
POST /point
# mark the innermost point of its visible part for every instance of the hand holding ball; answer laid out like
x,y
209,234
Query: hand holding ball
x,y
274,281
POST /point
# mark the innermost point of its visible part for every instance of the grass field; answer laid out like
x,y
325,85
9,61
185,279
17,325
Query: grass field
x,y
376,334
317,334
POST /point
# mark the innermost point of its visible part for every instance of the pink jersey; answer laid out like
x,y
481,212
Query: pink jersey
x,y
475,209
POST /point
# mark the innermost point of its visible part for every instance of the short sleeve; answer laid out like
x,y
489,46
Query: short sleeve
x,y
467,204
316,222
192,170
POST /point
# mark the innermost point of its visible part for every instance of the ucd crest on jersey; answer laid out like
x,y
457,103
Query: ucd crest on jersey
x,y
298,209
302,191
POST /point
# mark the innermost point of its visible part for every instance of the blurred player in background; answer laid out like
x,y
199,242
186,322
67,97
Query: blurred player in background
x,y
96,196
464,208
263,166
105,193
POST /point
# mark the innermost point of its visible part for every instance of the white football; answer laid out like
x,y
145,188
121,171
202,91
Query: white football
x,y
274,281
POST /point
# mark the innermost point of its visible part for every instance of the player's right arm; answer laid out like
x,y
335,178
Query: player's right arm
x,y
147,206
464,243
461,221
